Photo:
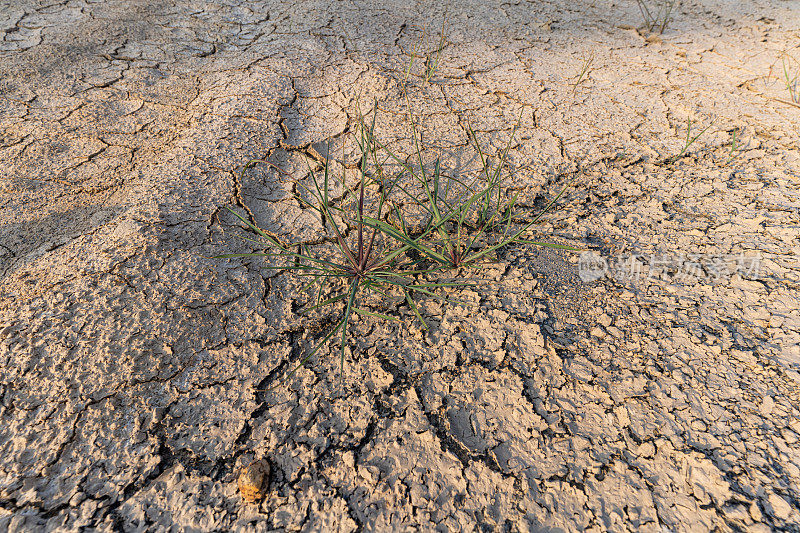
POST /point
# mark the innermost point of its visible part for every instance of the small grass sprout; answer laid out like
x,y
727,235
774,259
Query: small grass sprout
x,y
688,142
788,76
735,147
791,80
581,76
657,18
431,63
432,60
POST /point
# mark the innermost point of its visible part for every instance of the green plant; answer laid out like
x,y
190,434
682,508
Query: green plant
x,y
791,80
580,77
457,230
374,249
787,75
689,141
363,262
431,59
659,17
735,148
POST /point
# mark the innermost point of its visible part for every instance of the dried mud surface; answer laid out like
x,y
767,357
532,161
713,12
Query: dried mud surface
x,y
132,362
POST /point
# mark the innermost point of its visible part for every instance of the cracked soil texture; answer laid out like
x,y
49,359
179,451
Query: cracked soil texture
x,y
134,367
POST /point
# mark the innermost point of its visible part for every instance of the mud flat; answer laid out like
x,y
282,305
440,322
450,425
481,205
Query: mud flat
x,y
657,392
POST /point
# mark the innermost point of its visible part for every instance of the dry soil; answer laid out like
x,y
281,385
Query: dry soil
x,y
641,400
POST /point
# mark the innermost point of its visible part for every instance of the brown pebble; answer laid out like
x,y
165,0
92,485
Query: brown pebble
x,y
253,481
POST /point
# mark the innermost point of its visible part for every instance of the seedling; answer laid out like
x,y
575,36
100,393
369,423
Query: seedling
x,y
788,76
583,73
659,17
431,59
689,141
366,262
735,148
791,81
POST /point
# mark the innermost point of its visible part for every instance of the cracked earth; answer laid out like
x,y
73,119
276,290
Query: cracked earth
x,y
136,371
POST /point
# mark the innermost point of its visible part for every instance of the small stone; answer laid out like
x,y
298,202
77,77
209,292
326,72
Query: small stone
x,y
253,481
597,332
76,499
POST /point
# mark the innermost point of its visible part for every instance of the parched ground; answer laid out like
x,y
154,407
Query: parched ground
x,y
133,365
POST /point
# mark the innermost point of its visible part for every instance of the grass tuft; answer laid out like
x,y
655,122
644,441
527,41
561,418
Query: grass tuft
x,y
689,141
409,232
430,59
791,77
657,14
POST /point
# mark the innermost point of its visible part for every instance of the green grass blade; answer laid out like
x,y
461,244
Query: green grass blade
x,y
413,307
308,356
403,238
351,298
323,304
315,279
550,245
258,230
433,294
374,314
516,235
